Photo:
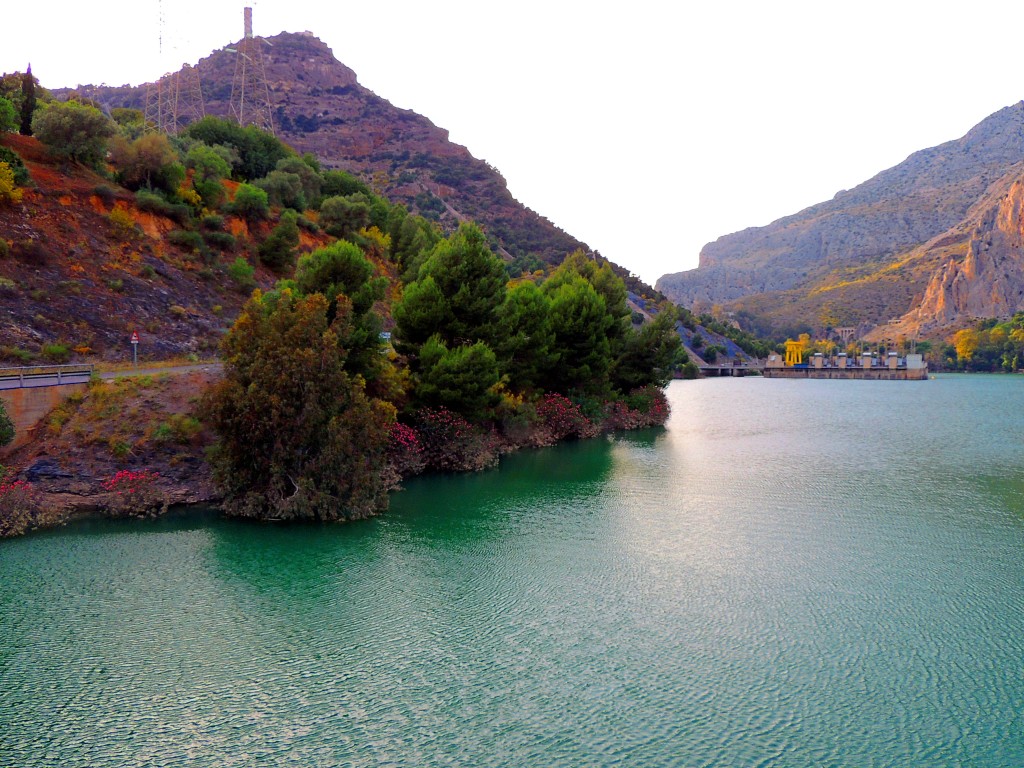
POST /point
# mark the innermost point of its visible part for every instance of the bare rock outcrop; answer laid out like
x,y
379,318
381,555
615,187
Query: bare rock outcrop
x,y
987,282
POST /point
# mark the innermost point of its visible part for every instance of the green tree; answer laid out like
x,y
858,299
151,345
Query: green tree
x,y
7,431
28,102
470,280
344,275
298,438
648,355
150,161
525,342
251,202
411,237
309,177
74,131
207,162
342,184
210,166
460,379
580,322
256,152
284,190
8,116
343,216
278,250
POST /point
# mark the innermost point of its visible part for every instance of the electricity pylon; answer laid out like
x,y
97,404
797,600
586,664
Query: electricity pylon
x,y
250,92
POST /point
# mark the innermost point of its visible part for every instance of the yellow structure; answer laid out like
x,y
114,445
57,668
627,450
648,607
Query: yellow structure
x,y
794,352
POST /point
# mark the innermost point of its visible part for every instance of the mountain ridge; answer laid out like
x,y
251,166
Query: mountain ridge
x,y
887,219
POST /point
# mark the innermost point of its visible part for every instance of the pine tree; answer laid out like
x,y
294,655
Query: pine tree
x,y
28,101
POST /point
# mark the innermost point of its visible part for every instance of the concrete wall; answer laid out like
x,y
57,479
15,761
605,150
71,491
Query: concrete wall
x,y
28,407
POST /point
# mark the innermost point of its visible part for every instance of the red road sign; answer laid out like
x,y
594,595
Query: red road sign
x,y
135,337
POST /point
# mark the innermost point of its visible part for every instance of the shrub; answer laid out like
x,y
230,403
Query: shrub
x,y
19,506
135,493
224,241
13,159
241,271
563,418
212,223
16,353
250,203
106,193
278,250
158,204
58,353
178,311
5,248
308,224
9,192
8,286
450,443
31,252
122,222
179,428
405,453
184,238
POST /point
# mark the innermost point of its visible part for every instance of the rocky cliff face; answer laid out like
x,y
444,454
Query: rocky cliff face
x,y
987,282
886,217
320,107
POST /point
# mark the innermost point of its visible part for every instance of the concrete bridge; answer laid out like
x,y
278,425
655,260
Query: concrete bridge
x,y
733,368
30,393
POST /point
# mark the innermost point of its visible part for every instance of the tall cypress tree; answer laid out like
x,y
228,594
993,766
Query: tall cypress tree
x,y
28,101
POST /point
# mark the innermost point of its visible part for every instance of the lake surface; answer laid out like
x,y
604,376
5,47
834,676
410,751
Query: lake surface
x,y
792,573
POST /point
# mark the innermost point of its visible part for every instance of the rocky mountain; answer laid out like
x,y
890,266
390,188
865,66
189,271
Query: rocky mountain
x,y
874,253
988,281
320,107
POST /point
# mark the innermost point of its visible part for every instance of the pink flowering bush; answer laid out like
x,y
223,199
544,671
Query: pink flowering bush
x,y
135,493
19,506
563,418
405,452
451,443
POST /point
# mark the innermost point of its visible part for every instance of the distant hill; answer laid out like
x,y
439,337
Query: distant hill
x,y
872,254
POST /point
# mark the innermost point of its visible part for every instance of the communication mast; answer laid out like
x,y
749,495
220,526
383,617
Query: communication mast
x,y
250,92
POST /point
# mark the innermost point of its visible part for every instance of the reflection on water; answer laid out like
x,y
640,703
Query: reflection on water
x,y
792,573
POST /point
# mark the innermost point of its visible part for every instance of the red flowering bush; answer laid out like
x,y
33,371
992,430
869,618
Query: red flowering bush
x,y
563,418
618,415
651,404
18,506
451,443
405,452
135,493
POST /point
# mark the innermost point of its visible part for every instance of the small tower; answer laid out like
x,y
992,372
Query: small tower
x,y
250,92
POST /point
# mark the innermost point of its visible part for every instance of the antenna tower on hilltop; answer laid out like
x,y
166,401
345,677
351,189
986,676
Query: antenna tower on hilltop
x,y
250,92
176,99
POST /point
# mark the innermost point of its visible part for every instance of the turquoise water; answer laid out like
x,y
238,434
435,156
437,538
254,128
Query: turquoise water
x,y
792,573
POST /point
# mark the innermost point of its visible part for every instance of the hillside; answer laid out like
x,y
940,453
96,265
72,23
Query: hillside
x,y
321,108
868,255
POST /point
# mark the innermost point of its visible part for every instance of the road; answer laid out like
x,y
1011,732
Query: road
x,y
29,380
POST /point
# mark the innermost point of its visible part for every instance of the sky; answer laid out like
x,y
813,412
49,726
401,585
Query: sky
x,y
645,129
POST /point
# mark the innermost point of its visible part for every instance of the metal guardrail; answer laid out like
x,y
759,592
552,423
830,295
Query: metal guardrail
x,y
45,375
